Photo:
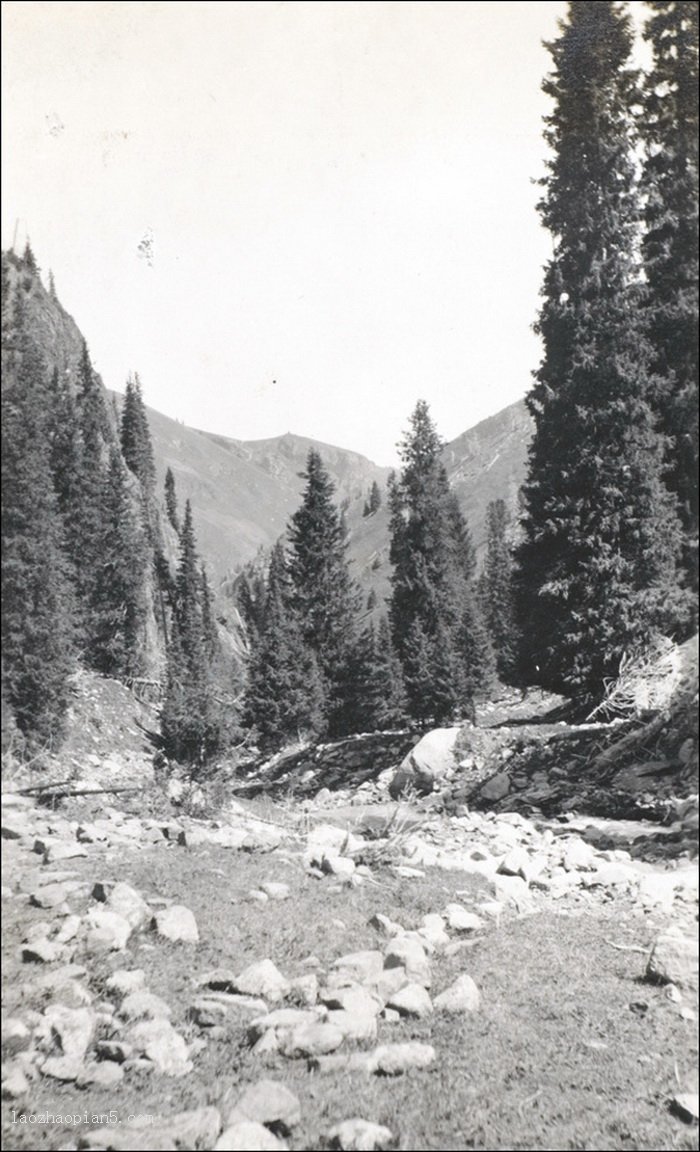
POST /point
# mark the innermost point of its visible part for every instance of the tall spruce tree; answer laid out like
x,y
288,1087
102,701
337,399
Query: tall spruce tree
x,y
597,566
433,611
135,436
383,697
323,592
36,618
669,129
171,501
285,695
84,512
119,605
191,722
498,591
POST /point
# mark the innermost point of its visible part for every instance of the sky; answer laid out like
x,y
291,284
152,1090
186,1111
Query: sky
x,y
287,216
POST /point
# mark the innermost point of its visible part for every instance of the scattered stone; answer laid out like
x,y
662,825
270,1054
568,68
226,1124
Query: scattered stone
x,y
275,890
144,1005
176,923
513,890
195,1128
125,981
341,866
304,989
127,902
406,952
359,1136
674,958
15,1083
50,896
385,926
115,1050
357,967
393,1059
107,931
206,1013
41,951
433,929
462,996
16,1037
162,1045
63,850
432,758
353,998
578,856
315,1039
685,1105
459,919
248,1136
219,980
262,979
496,788
268,1102
412,1000
103,1073
354,1025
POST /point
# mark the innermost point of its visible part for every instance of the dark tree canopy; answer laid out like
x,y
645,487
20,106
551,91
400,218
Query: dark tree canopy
x,y
669,129
598,563
434,617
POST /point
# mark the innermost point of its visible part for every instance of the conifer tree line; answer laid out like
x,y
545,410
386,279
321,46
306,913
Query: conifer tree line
x,y
603,558
317,667
608,557
84,574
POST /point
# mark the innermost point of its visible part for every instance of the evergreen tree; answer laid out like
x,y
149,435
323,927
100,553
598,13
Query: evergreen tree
x,y
383,698
171,501
209,630
498,594
135,436
597,566
36,616
433,610
191,721
29,259
374,501
323,593
119,606
669,128
83,498
284,696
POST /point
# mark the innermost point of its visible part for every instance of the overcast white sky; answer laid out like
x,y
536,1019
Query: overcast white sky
x,y
338,194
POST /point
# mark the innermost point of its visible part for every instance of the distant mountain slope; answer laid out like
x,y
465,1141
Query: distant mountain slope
x,y
489,462
244,492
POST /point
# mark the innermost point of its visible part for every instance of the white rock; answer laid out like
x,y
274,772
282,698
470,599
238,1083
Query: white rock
x,y
393,1059
248,1136
262,979
358,1135
311,1040
406,953
127,902
177,923
686,1106
459,919
462,996
268,1102
674,958
162,1045
412,1000
107,930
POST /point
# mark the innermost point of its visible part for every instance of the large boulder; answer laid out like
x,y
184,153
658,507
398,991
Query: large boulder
x,y
433,759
